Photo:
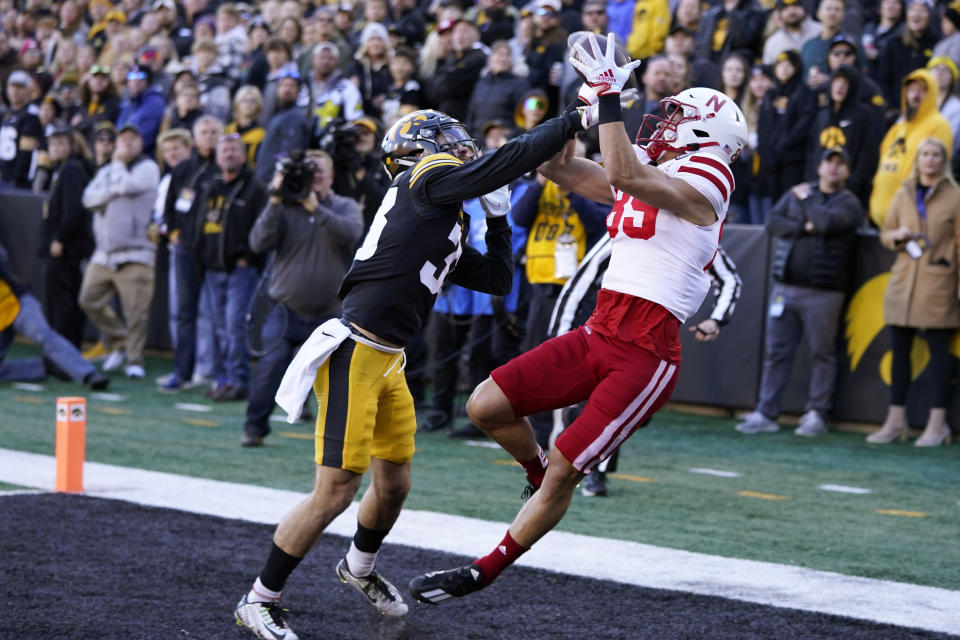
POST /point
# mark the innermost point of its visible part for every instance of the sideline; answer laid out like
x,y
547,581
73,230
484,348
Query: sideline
x,y
900,604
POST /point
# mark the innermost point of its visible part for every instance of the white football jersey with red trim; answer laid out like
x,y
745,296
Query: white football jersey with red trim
x,y
659,256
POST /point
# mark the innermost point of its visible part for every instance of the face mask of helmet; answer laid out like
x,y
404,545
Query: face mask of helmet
x,y
695,120
455,140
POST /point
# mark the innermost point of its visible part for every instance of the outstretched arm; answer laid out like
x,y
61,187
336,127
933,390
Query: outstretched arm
x,y
579,175
645,182
623,170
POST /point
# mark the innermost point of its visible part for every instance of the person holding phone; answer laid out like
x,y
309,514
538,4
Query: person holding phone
x,y
923,227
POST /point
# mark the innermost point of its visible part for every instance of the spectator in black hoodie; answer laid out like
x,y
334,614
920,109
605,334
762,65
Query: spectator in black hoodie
x,y
457,73
786,116
67,232
497,92
846,123
845,51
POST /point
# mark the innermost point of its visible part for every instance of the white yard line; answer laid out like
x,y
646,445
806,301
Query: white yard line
x,y
28,386
483,444
839,488
109,397
643,565
716,472
188,406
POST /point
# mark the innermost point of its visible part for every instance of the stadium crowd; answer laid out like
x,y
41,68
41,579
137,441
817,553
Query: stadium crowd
x,y
172,119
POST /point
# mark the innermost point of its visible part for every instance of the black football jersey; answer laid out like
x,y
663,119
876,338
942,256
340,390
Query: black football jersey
x,y
418,236
16,158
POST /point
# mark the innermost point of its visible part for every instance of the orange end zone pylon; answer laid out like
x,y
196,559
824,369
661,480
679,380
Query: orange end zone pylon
x,y
71,443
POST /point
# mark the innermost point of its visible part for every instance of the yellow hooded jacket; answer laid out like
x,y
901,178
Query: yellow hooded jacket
x,y
651,21
899,147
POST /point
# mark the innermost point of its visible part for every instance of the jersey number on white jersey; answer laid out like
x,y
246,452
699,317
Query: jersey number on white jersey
x,y
635,218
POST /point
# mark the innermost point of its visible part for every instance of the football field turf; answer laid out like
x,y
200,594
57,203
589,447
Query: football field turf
x,y
688,483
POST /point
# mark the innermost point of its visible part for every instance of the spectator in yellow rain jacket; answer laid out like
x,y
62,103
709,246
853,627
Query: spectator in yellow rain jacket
x,y
651,21
920,119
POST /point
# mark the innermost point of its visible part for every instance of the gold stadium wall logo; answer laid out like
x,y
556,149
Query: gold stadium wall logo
x,y
864,322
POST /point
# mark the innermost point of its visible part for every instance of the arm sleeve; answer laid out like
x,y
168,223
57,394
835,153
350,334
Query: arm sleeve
x,y
27,145
892,223
779,223
352,102
524,210
268,229
344,220
173,192
97,193
838,214
726,280
448,184
491,272
143,176
710,177
74,216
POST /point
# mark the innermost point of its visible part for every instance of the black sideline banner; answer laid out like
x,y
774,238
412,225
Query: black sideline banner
x,y
724,373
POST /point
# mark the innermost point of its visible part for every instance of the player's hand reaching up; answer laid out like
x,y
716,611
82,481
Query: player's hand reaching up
x,y
496,203
600,69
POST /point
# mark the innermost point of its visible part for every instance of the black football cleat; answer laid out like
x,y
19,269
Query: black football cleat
x,y
438,586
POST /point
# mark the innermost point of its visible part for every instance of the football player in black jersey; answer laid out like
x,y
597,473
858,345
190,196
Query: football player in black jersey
x,y
366,418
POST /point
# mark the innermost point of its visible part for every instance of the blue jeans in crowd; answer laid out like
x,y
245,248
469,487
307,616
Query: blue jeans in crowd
x,y
272,366
31,323
232,292
193,344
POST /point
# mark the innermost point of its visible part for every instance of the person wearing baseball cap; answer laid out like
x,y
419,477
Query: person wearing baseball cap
x,y
104,143
845,50
814,231
144,106
66,238
18,151
122,196
796,28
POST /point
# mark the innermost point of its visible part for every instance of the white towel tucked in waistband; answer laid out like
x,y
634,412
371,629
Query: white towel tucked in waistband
x,y
299,377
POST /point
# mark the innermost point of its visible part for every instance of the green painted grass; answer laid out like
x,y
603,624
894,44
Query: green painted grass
x,y
678,509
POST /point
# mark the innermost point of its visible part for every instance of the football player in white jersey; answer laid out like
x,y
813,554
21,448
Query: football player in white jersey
x,y
669,202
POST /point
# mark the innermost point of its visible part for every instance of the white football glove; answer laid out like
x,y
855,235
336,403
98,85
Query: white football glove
x,y
587,95
496,203
589,111
600,69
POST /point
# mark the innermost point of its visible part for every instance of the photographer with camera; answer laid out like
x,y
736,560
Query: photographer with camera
x,y
358,173
227,211
313,231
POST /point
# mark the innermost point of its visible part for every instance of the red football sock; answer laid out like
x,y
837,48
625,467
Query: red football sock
x,y
504,555
535,467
